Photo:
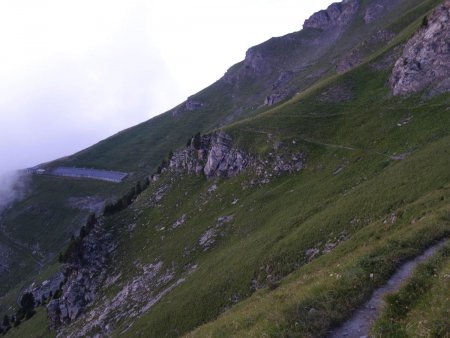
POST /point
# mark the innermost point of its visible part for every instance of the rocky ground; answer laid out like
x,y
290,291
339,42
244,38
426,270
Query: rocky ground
x,y
425,62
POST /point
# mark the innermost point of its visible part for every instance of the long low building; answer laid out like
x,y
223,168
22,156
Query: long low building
x,y
95,174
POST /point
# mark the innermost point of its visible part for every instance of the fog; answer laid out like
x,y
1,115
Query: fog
x,y
75,72
12,187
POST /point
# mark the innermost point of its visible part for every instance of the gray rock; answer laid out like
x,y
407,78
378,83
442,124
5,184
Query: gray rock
x,y
208,239
192,104
43,289
180,221
275,98
85,273
54,313
337,14
425,62
223,160
215,157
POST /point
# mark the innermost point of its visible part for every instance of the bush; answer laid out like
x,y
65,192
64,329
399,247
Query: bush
x,y
197,141
6,321
27,302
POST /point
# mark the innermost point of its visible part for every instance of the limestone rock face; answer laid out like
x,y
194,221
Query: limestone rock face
x,y
223,160
211,155
337,14
256,62
84,273
215,155
425,62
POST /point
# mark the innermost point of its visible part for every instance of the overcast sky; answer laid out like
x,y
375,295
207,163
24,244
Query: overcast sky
x,y
75,72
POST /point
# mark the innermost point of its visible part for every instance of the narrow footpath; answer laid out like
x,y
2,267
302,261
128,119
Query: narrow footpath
x,y
359,325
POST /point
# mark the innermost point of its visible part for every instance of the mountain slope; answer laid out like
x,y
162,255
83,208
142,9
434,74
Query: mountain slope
x,y
271,73
310,197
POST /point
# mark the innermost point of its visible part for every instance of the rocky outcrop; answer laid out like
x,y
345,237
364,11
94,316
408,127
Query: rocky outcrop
x,y
275,98
44,290
223,160
208,238
337,14
84,272
192,104
425,62
213,155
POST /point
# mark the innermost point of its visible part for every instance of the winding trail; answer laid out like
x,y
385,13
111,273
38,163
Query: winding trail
x,y
360,323
399,157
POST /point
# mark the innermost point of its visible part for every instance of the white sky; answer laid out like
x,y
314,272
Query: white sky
x,y
73,72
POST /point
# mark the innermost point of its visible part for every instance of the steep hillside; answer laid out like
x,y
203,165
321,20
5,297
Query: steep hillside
x,y
314,178
333,40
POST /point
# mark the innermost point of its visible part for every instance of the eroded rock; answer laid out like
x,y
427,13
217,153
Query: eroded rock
x,y
425,62
213,155
84,272
337,14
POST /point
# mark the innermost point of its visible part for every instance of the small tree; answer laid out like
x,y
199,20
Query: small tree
x,y
425,22
138,188
91,221
58,294
27,302
16,321
83,232
197,141
6,321
146,183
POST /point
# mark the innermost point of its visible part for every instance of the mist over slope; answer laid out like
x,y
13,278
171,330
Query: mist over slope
x,y
13,186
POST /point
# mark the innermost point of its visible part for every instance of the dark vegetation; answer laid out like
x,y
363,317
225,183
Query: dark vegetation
x,y
25,312
126,199
73,251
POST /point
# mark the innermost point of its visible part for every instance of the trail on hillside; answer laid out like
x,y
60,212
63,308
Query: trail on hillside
x,y
399,157
361,322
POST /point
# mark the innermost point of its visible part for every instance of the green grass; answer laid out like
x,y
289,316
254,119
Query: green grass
x,y
421,307
36,327
274,224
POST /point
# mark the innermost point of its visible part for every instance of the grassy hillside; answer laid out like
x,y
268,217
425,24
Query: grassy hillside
x,y
295,255
373,193
275,225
